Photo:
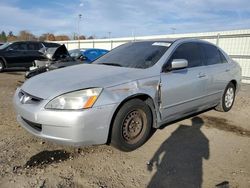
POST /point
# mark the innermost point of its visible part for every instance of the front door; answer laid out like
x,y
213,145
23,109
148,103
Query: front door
x,y
16,55
33,53
183,91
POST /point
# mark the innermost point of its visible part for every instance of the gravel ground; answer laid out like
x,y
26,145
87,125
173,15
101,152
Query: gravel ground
x,y
201,151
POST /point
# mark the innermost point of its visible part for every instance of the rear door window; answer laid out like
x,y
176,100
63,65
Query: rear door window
x,y
212,54
189,51
33,46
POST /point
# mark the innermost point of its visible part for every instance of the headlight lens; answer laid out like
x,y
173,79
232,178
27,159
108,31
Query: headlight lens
x,y
75,100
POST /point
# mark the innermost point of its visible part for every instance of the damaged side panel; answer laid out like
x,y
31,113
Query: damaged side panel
x,y
118,94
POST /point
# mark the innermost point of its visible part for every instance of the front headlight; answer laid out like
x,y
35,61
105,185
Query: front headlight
x,y
75,100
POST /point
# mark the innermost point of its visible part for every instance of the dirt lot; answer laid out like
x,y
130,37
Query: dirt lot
x,y
204,151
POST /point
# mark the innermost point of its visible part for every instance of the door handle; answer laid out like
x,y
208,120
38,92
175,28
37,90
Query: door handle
x,y
227,70
201,75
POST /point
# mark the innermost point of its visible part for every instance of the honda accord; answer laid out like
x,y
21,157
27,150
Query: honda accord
x,y
126,93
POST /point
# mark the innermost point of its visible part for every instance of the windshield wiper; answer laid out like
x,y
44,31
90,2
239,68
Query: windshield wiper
x,y
112,64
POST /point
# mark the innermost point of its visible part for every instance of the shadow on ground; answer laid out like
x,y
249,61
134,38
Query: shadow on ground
x,y
225,125
15,71
47,157
178,161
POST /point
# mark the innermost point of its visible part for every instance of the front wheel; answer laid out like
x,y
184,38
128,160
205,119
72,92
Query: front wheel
x,y
1,66
132,125
227,99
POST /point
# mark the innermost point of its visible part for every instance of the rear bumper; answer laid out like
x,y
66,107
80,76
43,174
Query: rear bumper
x,y
84,127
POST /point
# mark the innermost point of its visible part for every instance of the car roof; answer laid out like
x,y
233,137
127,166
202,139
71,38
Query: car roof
x,y
178,40
172,40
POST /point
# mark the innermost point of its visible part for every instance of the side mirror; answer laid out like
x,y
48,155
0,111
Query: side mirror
x,y
83,58
179,64
9,49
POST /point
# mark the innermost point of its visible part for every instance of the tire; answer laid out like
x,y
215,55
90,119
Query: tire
x,y
227,100
132,125
1,66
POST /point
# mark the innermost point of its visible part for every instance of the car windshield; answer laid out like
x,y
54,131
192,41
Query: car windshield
x,y
135,55
5,45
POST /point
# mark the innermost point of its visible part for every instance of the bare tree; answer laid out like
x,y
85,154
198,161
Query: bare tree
x,y
61,37
82,37
26,35
11,37
91,37
51,37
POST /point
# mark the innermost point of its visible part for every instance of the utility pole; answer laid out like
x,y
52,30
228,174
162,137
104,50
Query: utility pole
x,y
79,20
133,34
173,30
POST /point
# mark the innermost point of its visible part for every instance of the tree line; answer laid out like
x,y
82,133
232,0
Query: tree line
x,y
28,36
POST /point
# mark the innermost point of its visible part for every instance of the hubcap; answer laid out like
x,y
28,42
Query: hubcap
x,y
1,66
133,126
229,97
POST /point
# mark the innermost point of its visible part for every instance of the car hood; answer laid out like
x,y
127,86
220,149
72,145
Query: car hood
x,y
51,84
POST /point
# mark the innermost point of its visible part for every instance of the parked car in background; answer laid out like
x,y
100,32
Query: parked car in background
x,y
88,55
126,93
60,57
22,54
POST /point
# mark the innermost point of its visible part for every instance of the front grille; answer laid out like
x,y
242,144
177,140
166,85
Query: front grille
x,y
35,126
26,98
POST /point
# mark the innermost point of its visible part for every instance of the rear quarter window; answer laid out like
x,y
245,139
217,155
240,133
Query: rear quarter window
x,y
51,45
33,46
223,58
212,54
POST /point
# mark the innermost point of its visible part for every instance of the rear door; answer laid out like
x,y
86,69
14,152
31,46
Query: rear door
x,y
218,72
183,90
33,52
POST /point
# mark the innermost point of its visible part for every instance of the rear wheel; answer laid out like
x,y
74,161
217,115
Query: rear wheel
x,y
132,125
227,99
1,66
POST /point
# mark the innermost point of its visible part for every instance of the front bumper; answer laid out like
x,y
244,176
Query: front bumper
x,y
83,127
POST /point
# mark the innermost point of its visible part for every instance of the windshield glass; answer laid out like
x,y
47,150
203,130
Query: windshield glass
x,y
5,45
51,50
135,55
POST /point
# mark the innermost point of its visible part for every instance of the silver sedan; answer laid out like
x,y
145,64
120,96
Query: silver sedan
x,y
128,92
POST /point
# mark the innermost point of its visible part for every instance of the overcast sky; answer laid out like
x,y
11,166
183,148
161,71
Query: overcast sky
x,y
123,17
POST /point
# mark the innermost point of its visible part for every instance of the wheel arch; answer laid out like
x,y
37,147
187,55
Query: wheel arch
x,y
142,96
234,82
4,61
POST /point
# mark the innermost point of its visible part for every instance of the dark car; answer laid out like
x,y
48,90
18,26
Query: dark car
x,y
22,54
60,57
